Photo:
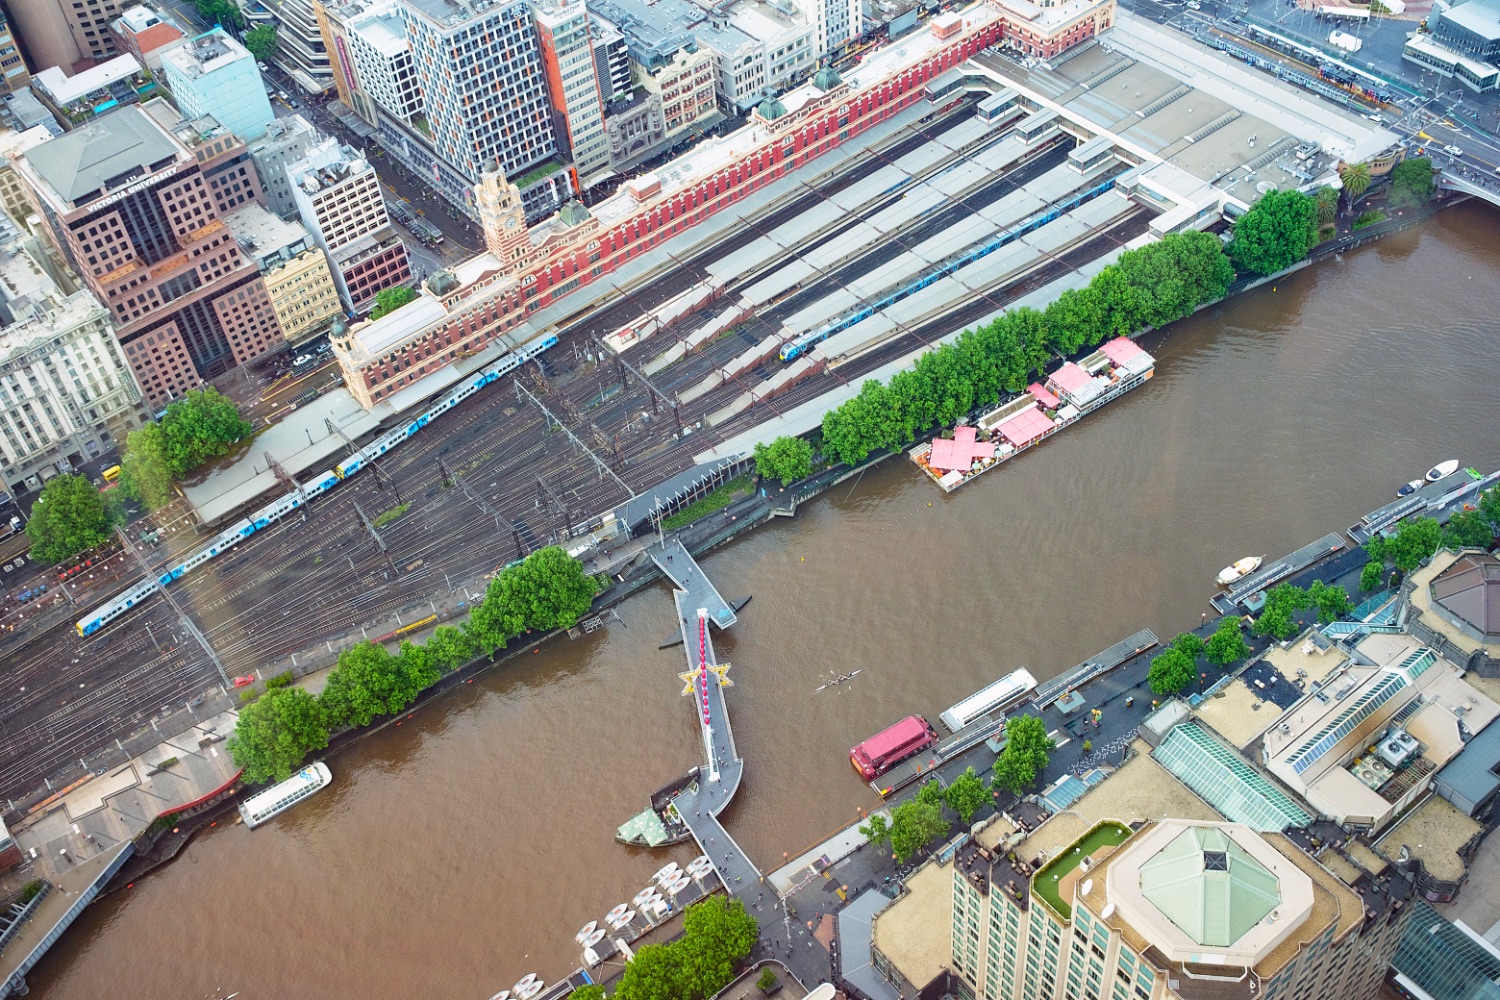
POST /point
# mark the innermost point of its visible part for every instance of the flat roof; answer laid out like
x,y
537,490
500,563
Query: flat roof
x,y
913,931
79,163
1434,831
1479,16
266,231
66,89
1471,774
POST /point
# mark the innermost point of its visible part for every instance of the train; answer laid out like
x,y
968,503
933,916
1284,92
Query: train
x,y
311,489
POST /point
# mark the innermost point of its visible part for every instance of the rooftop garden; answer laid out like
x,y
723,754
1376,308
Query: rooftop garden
x,y
1048,881
537,173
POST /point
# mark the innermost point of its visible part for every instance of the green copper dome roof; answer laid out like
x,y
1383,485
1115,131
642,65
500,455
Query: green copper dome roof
x,y
827,79
771,109
1209,886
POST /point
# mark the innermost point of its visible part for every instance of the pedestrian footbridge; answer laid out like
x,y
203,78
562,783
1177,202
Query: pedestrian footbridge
x,y
1487,188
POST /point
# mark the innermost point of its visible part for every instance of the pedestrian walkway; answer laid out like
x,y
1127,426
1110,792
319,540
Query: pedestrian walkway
x,y
674,560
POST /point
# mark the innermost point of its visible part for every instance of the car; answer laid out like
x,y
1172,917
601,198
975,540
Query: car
x,y
1374,118
244,680
1453,150
302,359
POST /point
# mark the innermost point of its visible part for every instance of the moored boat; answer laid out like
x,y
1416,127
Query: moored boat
x,y
1411,487
1240,569
1442,469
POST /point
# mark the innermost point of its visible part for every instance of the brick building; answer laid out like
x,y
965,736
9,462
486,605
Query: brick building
x,y
136,214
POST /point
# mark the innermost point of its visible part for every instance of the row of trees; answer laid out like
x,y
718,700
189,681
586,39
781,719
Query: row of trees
x,y
1278,616
717,936
920,820
546,591
1146,287
200,426
1176,667
787,459
1418,538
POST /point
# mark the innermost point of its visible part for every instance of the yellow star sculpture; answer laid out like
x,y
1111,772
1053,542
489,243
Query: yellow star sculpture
x,y
723,671
689,681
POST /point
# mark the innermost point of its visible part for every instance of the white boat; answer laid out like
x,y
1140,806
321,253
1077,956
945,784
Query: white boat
x,y
1411,487
283,795
1442,469
588,929
1239,570
594,938
533,990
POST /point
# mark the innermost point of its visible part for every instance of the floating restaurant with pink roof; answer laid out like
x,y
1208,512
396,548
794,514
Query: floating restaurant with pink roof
x,y
1046,407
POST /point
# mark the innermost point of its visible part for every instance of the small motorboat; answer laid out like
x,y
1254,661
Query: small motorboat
x,y
1239,570
1442,469
645,896
1411,487
524,984
502,995
619,922
533,990
594,938
588,929
667,873
616,913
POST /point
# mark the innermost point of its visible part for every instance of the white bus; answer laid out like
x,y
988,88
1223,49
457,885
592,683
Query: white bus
x,y
1000,695
283,795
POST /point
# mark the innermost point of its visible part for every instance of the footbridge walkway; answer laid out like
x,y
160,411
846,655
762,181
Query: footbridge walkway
x,y
1487,188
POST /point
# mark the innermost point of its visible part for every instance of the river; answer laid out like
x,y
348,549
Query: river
x,y
462,850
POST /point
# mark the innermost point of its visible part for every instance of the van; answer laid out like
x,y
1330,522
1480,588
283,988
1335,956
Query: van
x,y
112,473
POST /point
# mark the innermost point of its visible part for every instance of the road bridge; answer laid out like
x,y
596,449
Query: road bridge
x,y
1487,188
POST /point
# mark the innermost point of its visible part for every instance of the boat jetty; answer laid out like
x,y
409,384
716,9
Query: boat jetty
x,y
1070,393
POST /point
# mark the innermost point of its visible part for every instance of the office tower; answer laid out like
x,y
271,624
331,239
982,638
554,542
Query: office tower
x,y
338,197
131,208
567,50
482,82
286,141
64,32
216,75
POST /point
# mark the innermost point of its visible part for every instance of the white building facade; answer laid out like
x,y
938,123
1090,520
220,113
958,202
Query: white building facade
x,y
382,59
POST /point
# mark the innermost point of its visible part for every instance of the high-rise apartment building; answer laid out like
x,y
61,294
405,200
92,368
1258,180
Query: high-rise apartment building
x,y
13,72
65,32
837,22
215,75
611,59
483,82
573,86
382,61
66,395
131,208
286,141
300,50
338,197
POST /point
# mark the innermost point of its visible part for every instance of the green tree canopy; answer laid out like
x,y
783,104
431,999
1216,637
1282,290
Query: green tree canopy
x,y
1025,756
388,300
967,794
931,793
147,473
1356,178
877,830
1412,183
203,424
1326,200
654,974
787,459
1468,529
1373,574
1171,671
261,41
1189,645
548,590
593,991
219,12
1276,233
914,825
275,732
1277,617
717,935
450,647
1332,602
1415,539
69,517
368,682
1227,645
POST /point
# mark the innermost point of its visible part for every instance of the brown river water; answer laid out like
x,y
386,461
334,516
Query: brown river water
x,y
462,850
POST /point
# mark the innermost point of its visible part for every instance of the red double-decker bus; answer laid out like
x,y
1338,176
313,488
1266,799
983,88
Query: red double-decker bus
x,y
885,750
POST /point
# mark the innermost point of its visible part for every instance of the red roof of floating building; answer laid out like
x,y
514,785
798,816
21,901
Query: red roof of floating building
x,y
1120,350
960,453
1042,396
1070,379
1025,427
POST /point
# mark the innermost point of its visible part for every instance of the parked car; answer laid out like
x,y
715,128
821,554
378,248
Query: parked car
x,y
1453,150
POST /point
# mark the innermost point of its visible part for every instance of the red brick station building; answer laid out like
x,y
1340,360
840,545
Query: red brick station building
x,y
526,270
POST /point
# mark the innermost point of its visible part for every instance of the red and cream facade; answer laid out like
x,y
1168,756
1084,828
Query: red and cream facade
x,y
524,272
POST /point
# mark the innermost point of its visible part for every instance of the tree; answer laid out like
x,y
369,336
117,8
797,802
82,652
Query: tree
x,y
201,425
147,475
1415,539
261,41
1277,617
967,793
1468,529
654,974
275,732
1227,644
450,647
418,670
388,300
931,793
548,590
767,979
1025,753
1171,671
593,991
787,459
222,12
1326,199
914,825
717,935
1276,233
1372,575
1356,178
367,682
70,516
1489,507
1412,183
1189,645
1332,602
877,831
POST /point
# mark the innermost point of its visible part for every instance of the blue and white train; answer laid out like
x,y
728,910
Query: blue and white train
x,y
315,487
